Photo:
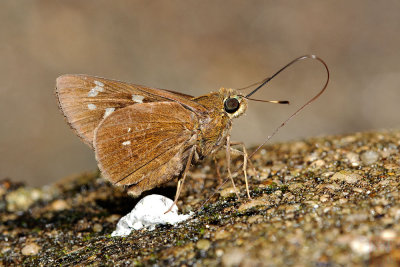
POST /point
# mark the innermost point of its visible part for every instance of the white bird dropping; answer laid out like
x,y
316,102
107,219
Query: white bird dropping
x,y
147,213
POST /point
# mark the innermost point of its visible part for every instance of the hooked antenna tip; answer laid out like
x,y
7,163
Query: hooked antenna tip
x,y
283,102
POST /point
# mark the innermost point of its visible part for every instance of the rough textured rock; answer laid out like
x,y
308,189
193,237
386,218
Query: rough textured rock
x,y
319,202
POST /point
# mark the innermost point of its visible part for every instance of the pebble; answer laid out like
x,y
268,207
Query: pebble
x,y
348,139
295,187
22,198
311,157
388,235
369,157
358,190
289,196
59,204
347,177
233,257
223,234
327,209
5,249
327,174
227,192
361,245
391,166
30,249
278,167
353,158
256,218
97,227
292,208
357,217
395,213
324,198
318,164
113,218
251,204
263,175
288,178
219,252
334,186
388,151
203,244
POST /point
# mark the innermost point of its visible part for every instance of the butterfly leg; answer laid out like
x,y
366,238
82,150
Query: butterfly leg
x,y
242,153
217,170
245,161
182,180
228,159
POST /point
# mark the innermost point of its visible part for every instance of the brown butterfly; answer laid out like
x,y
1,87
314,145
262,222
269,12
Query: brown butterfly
x,y
144,137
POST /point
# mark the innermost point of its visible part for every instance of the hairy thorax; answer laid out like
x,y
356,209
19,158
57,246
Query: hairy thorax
x,y
215,126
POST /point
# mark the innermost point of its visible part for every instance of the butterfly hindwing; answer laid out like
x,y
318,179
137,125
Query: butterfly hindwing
x,y
87,100
145,145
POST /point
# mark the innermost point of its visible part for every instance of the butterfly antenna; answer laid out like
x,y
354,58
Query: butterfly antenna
x,y
251,85
283,68
303,106
290,117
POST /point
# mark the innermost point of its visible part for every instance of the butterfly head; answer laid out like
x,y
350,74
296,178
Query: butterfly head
x,y
235,104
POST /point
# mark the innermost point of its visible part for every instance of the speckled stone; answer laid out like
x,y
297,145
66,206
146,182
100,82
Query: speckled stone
x,y
59,204
30,249
227,192
369,157
203,244
353,158
388,235
233,257
341,213
361,245
251,204
97,228
347,176
222,234
22,198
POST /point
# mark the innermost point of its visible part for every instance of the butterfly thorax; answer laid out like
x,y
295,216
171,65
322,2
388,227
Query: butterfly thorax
x,y
215,125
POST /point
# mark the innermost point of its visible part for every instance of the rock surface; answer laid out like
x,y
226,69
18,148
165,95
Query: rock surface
x,y
319,202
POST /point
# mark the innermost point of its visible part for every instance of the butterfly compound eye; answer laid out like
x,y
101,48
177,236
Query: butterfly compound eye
x,y
231,105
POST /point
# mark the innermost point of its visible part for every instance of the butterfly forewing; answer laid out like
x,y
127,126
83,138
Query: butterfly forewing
x,y
87,100
145,145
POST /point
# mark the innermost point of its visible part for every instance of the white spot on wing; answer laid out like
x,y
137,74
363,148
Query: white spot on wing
x,y
108,112
129,130
137,98
91,106
99,83
126,143
95,90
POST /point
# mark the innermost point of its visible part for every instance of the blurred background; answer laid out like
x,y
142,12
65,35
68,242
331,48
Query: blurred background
x,y
194,47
